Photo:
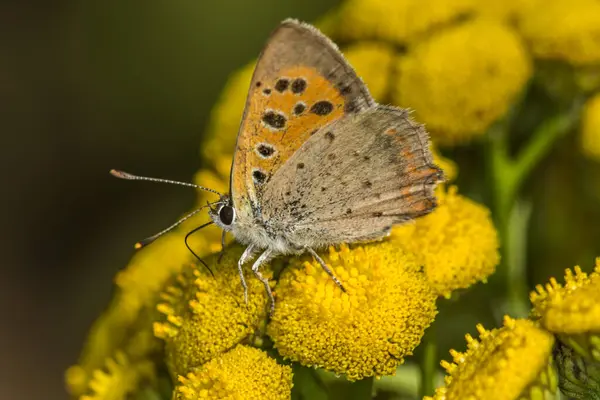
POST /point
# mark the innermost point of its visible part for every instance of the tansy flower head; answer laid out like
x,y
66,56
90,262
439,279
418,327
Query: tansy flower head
x,y
366,331
462,79
142,280
508,11
397,21
227,114
119,379
244,373
457,243
567,30
205,316
590,128
572,310
112,333
509,363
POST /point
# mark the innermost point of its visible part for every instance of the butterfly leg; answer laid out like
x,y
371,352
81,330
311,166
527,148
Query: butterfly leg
x,y
245,256
325,267
263,258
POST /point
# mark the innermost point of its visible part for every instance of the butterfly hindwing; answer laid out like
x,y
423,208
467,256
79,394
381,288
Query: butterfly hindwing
x,y
301,83
353,180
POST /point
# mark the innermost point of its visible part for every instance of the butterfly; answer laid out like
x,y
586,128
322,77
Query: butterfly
x,y
317,161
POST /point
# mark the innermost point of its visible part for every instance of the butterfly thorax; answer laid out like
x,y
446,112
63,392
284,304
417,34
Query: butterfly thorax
x,y
247,226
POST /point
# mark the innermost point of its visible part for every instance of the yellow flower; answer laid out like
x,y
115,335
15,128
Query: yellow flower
x,y
397,21
566,30
509,363
509,11
143,279
112,333
447,165
205,316
572,310
463,79
120,378
457,243
590,128
226,115
373,63
244,373
366,331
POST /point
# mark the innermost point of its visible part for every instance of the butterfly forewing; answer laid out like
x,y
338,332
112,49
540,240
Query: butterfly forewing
x,y
301,84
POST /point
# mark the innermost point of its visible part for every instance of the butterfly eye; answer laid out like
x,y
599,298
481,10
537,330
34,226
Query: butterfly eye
x,y
227,215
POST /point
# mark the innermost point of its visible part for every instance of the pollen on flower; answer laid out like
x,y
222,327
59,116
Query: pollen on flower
x,y
512,362
572,310
397,21
460,80
205,316
119,378
590,128
566,30
242,373
365,331
457,243
373,63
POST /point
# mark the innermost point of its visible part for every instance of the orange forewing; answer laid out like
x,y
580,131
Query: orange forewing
x,y
287,140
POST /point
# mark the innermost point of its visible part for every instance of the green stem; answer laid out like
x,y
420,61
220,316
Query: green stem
x,y
508,175
308,384
429,364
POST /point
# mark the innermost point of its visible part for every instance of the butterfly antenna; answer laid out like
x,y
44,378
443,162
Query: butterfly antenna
x,y
152,238
131,177
192,251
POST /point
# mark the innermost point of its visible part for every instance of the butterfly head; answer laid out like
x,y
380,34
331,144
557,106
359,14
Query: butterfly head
x,y
223,213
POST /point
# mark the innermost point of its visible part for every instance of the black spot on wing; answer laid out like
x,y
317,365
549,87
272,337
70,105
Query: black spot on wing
x,y
299,108
298,86
259,176
265,150
282,85
274,120
323,107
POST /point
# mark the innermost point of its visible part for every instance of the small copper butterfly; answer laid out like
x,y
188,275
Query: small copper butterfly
x,y
317,161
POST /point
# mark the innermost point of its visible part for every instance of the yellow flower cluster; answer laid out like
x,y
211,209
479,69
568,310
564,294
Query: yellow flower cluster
x,y
397,21
457,243
461,81
521,359
566,30
244,373
590,128
392,286
572,310
365,331
205,316
508,363
119,379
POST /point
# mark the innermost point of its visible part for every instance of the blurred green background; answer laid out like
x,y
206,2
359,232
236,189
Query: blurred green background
x,y
90,86
86,87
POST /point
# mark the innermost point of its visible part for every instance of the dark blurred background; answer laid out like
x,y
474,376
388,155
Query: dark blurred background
x,y
90,86
86,87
